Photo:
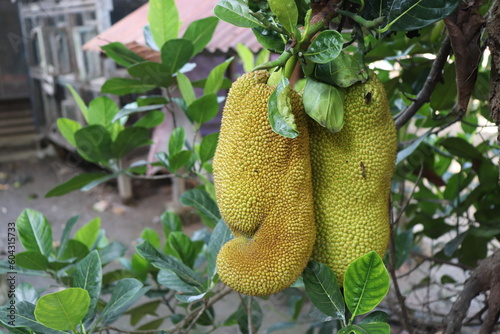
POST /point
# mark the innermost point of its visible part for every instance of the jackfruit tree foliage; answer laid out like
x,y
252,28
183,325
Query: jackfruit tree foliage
x,y
264,192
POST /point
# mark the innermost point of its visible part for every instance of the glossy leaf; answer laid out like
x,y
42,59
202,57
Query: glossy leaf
x,y
186,88
111,252
200,32
445,93
74,251
170,222
170,280
176,53
177,139
81,105
375,316
220,235
404,243
102,110
460,148
152,236
344,71
134,107
169,263
325,47
201,201
25,318
26,292
236,12
151,119
280,110
203,109
62,310
152,73
246,57
94,143
371,328
124,295
404,15
366,283
269,39
178,160
88,233
130,139
34,232
31,260
407,151
163,18
88,276
286,12
123,86
216,77
68,127
179,245
323,290
208,146
138,313
121,54
325,104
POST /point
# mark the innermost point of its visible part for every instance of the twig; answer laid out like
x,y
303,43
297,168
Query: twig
x,y
251,327
432,79
442,261
399,295
407,202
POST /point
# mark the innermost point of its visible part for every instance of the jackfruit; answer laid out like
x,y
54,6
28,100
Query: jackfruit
x,y
263,187
352,172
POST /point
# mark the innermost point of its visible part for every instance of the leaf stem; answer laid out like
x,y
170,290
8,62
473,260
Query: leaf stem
x,y
280,61
358,19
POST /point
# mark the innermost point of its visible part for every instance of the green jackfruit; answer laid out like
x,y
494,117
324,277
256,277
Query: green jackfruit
x,y
263,186
352,171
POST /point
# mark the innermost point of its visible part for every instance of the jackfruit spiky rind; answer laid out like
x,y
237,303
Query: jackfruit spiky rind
x,y
263,186
352,172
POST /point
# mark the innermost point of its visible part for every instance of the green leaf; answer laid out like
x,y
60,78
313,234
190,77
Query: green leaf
x,y
408,15
208,146
152,236
371,328
445,94
325,47
460,148
94,143
407,151
75,250
111,252
286,12
31,260
344,71
121,54
366,283
26,292
323,290
34,232
170,222
169,263
151,119
178,160
75,183
24,317
236,12
216,77
203,109
190,298
68,127
163,18
375,316
130,139
175,53
269,39
256,315
325,104
179,245
134,107
79,102
169,279
152,73
220,235
62,310
102,110
88,276
246,56
88,233
201,201
186,88
280,110
404,243
123,86
177,139
200,32
126,292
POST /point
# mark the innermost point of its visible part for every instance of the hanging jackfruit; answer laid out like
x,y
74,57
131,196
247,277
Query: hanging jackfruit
x,y
352,171
263,187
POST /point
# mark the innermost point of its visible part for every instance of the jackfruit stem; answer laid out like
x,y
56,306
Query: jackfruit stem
x,y
290,67
280,61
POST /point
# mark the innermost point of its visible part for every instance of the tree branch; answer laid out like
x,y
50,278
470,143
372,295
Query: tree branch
x,y
483,278
432,79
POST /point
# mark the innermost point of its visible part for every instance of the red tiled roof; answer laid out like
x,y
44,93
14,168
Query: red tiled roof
x,y
130,28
